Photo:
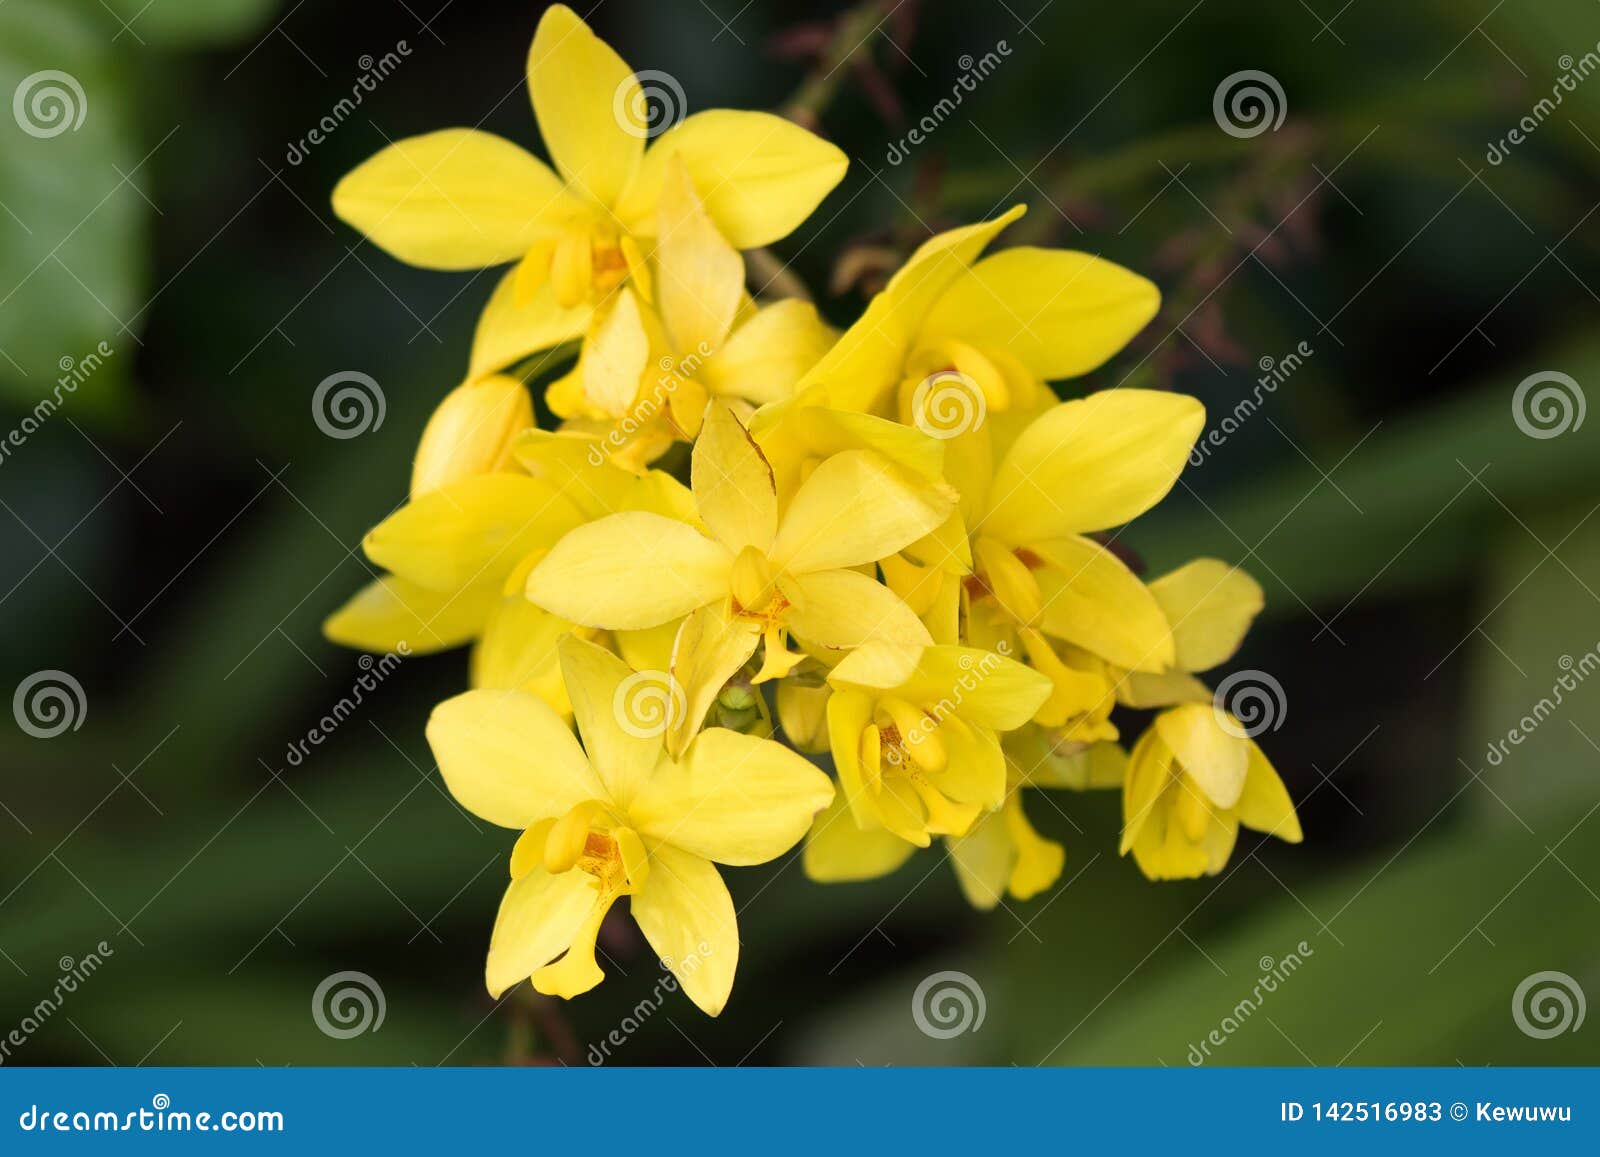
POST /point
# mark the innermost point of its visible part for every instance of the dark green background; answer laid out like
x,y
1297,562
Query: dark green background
x,y
175,534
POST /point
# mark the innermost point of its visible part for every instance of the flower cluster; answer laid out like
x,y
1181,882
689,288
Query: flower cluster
x,y
890,549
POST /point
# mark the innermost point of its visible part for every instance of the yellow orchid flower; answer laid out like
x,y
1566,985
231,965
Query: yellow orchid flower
x,y
645,373
1001,854
898,527
753,575
1079,467
1193,778
465,199
914,734
952,338
1197,774
797,434
617,817
458,555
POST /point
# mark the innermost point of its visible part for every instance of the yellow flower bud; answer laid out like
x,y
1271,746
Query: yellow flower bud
x,y
471,433
803,713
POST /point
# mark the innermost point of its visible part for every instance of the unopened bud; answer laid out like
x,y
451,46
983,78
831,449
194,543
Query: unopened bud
x,y
471,433
803,713
738,707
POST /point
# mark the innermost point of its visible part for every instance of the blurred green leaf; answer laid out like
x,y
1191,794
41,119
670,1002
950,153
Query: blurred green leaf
x,y
199,1016
1410,957
1422,954
74,215
1536,666
189,22
1409,505
876,1026
1548,39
